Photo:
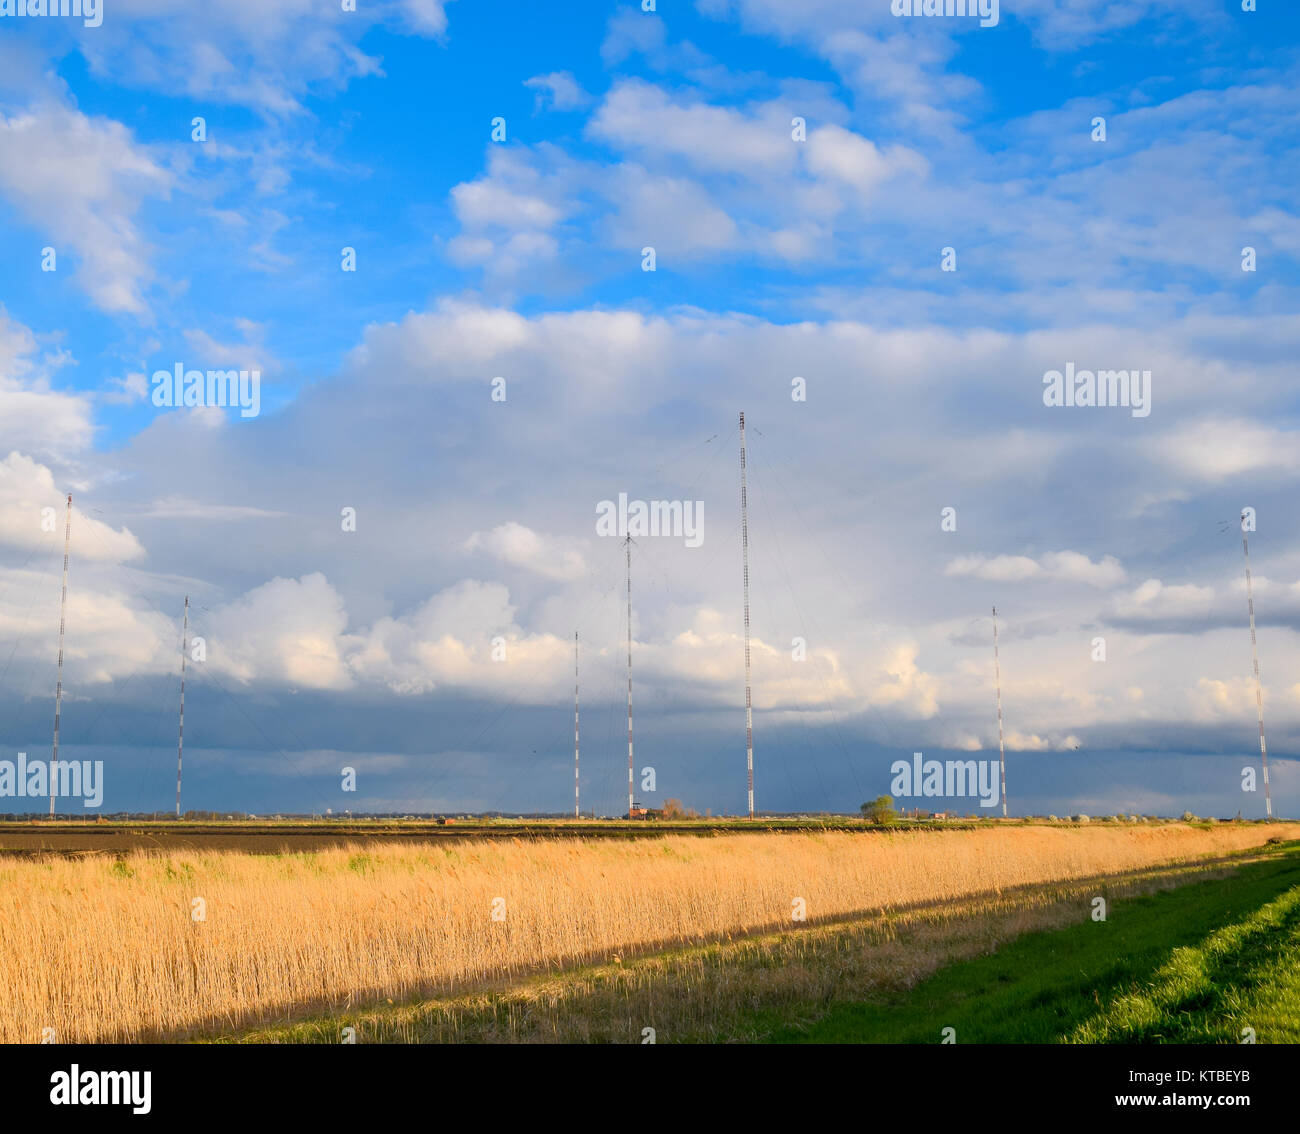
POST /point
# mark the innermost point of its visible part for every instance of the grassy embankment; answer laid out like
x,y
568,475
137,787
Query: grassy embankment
x,y
1199,964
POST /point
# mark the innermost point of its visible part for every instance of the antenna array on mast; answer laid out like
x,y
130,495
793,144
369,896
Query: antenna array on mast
x,y
627,543
1259,694
180,736
744,552
997,683
576,812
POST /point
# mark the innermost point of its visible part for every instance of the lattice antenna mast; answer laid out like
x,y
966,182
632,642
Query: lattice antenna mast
x,y
997,685
744,553
576,812
627,543
1254,653
180,735
58,688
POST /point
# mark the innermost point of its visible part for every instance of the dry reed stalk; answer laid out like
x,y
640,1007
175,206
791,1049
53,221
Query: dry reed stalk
x,y
104,950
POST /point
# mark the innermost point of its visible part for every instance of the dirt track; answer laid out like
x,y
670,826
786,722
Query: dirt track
x,y
24,839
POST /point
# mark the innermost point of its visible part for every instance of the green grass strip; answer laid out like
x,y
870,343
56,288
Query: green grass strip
x,y
1183,965
1200,994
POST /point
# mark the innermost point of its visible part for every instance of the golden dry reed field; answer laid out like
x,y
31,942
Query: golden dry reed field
x,y
157,945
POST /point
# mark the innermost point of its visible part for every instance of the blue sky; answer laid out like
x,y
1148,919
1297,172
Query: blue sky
x,y
776,258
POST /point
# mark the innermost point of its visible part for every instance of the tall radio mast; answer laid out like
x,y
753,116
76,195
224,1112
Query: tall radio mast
x,y
58,688
744,552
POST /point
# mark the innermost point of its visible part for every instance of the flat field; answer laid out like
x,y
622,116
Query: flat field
x,y
171,945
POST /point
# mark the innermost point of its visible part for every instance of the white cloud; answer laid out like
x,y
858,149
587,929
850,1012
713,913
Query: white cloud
x,y
109,636
427,17
641,117
507,215
126,390
81,181
706,661
250,353
1217,449
696,180
1032,742
178,507
1223,700
286,630
481,204
1065,566
999,569
1155,601
674,215
27,489
1072,24
32,416
842,155
559,90
900,683
448,640
520,546
632,33
268,56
